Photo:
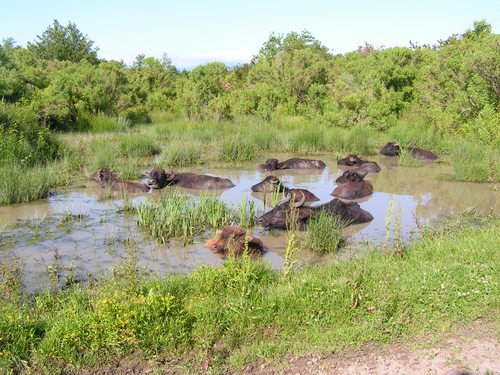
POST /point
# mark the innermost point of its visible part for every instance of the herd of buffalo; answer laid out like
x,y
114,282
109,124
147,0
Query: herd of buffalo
x,y
351,185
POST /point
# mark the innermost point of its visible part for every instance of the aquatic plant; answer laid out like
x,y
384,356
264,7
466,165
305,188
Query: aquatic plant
x,y
324,233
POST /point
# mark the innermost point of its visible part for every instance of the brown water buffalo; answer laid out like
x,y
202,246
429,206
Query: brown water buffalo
x,y
352,186
294,163
159,178
350,213
234,238
271,184
393,149
107,178
354,160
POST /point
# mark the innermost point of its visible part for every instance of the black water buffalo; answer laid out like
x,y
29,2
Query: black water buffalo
x,y
350,213
234,238
107,178
354,160
352,186
294,163
159,178
271,184
393,149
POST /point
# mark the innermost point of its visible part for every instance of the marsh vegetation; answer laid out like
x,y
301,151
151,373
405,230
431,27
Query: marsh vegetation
x,y
64,115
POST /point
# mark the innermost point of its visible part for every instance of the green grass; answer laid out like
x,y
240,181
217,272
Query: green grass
x,y
103,123
244,310
474,162
178,154
236,149
406,159
138,145
324,233
21,185
414,133
180,215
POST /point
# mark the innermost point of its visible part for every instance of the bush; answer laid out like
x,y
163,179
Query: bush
x,y
24,141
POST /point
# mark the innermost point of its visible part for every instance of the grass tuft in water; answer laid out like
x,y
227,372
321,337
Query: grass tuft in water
x,y
474,162
324,233
180,215
406,159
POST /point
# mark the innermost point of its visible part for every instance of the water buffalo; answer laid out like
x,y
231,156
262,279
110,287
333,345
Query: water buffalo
x,y
352,186
354,160
294,163
107,178
271,184
350,213
393,149
159,178
234,238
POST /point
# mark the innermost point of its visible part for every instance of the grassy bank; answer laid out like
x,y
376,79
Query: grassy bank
x,y
245,310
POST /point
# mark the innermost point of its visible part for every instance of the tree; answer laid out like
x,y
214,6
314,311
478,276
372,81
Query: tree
x,y
64,43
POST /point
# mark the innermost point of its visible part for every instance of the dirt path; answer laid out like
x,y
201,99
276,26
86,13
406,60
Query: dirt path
x,y
475,350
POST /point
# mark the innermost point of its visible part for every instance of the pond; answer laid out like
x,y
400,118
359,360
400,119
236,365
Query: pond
x,y
80,233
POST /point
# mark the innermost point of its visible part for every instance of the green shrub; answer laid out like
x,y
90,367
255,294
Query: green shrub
x,y
22,140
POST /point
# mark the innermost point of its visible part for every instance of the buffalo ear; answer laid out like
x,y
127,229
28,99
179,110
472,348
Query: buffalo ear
x,y
170,176
101,173
147,174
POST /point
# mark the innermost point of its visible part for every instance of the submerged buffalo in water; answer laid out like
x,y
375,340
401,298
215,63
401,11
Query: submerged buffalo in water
x,y
354,160
278,217
294,163
159,178
352,186
393,149
271,184
235,239
107,178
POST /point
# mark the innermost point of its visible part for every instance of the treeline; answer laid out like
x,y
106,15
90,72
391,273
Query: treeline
x,y
57,82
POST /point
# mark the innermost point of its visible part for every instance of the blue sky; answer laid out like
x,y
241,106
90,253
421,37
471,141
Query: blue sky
x,y
193,32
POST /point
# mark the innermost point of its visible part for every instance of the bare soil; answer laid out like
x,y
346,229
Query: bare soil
x,y
474,350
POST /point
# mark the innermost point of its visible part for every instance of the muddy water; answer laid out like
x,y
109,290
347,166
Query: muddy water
x,y
81,233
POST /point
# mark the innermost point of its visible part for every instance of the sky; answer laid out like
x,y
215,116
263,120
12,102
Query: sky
x,y
194,32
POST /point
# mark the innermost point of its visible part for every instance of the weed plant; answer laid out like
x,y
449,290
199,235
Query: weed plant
x,y
180,215
406,158
474,162
102,123
236,149
178,154
21,185
136,145
324,233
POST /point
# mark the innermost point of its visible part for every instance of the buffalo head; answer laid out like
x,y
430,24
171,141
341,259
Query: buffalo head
x,y
270,165
158,178
279,216
390,149
234,238
104,175
269,185
352,175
